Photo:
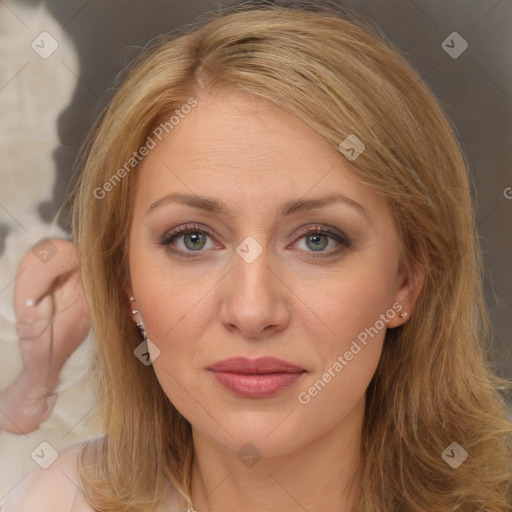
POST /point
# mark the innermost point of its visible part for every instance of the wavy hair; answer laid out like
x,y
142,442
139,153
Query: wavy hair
x,y
434,384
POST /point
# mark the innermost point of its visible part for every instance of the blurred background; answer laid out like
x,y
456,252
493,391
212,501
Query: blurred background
x,y
58,62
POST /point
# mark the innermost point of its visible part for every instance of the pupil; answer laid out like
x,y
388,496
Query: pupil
x,y
317,238
196,239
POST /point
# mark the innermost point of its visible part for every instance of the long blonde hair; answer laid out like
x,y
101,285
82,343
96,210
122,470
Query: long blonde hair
x,y
433,385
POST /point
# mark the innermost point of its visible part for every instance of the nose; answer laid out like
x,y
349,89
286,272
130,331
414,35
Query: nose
x,y
254,298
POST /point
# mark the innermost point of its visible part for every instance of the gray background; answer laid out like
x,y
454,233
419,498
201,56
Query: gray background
x,y
475,89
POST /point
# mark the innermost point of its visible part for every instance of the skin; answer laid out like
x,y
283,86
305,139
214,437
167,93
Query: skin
x,y
50,327
288,304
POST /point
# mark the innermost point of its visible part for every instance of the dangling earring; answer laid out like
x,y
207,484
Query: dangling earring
x,y
140,325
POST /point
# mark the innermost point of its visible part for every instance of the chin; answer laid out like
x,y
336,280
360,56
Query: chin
x,y
256,433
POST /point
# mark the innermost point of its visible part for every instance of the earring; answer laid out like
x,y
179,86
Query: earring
x,y
140,325
134,311
143,331
403,315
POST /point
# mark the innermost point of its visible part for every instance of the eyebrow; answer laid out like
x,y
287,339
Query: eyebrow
x,y
218,207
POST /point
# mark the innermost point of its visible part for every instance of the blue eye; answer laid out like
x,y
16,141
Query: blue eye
x,y
317,239
191,238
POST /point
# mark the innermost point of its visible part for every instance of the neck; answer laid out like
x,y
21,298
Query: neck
x,y
317,477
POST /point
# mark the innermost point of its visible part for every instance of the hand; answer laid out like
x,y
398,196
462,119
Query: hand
x,y
52,319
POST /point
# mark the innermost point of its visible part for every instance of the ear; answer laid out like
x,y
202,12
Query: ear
x,y
408,285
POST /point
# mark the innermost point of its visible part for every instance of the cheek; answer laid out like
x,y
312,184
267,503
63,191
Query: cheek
x,y
346,304
348,331
168,294
176,316
347,354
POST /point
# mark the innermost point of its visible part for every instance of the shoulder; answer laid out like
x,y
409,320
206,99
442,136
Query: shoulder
x,y
55,487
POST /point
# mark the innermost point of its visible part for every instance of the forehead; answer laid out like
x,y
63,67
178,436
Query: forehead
x,y
245,149
231,127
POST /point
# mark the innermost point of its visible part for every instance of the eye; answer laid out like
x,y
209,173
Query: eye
x,y
187,238
318,238
191,238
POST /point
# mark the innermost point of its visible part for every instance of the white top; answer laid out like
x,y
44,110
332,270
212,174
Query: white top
x,y
57,488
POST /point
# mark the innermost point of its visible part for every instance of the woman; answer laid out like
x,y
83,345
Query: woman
x,y
275,213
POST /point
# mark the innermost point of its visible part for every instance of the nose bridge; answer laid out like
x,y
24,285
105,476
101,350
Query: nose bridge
x,y
253,300
252,273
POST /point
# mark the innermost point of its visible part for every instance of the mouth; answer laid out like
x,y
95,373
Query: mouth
x,y
255,378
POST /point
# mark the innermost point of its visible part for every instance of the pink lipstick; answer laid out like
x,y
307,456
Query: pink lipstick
x,y
255,378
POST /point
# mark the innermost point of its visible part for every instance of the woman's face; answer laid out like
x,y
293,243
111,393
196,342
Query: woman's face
x,y
284,256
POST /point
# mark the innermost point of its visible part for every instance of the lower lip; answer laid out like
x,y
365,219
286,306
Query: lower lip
x,y
256,385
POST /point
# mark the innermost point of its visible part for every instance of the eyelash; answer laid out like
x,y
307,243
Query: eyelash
x,y
186,229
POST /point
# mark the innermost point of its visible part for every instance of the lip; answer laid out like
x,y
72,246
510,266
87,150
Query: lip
x,y
255,378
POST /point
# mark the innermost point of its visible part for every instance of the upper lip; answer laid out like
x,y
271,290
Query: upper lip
x,y
261,366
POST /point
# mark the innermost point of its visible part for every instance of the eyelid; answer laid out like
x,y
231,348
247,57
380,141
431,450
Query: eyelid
x,y
184,229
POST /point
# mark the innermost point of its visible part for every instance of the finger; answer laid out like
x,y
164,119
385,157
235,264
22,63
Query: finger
x,y
35,320
71,321
38,271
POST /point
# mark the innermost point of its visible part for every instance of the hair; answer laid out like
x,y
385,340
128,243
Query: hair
x,y
434,384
